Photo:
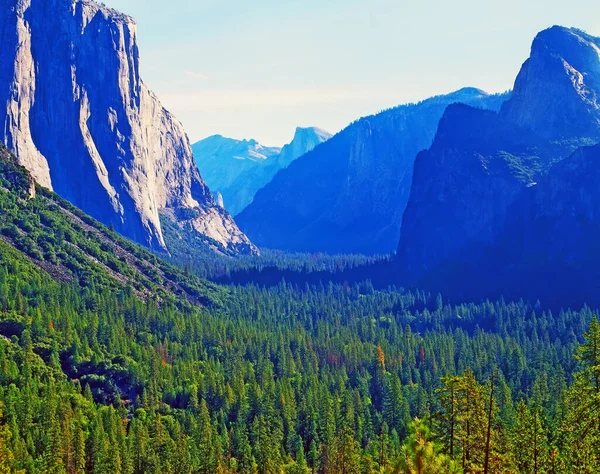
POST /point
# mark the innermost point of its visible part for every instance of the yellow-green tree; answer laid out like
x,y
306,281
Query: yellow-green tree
x,y
420,455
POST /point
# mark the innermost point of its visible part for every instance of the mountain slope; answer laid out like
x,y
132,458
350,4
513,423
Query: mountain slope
x,y
237,169
466,214
75,248
79,117
348,195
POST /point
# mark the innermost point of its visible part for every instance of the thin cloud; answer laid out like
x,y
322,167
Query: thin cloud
x,y
235,98
197,75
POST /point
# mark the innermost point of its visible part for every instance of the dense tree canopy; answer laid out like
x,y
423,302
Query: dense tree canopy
x,y
113,361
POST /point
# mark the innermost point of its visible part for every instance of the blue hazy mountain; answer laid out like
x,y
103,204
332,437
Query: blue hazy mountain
x,y
237,169
349,194
501,198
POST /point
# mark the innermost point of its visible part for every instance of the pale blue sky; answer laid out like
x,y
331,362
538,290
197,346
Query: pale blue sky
x,y
259,68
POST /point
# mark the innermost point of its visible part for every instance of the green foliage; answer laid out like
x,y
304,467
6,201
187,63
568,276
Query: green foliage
x,y
112,361
581,425
420,455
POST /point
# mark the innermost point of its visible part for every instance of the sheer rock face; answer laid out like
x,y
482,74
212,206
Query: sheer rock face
x,y
557,220
464,215
348,195
78,116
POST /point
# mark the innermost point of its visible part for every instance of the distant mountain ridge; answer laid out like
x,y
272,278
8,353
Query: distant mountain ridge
x,y
237,169
349,194
77,114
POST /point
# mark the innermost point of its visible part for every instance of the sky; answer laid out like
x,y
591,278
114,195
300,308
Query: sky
x,y
260,68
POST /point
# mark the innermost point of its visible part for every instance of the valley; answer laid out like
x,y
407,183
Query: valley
x,y
415,294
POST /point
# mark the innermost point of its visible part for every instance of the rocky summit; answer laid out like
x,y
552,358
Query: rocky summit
x,y
557,91
79,117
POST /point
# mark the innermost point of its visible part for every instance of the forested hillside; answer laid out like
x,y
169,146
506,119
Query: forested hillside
x,y
112,361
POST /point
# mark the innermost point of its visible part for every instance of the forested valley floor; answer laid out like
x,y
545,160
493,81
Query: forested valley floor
x,y
114,361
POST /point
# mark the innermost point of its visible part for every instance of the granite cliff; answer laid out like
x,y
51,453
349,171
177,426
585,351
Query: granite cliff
x,y
75,111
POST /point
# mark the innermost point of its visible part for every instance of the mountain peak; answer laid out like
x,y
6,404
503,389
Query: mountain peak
x,y
557,91
558,35
311,132
468,93
305,139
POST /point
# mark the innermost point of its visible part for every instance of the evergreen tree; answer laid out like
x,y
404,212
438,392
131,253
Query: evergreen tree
x,y
420,455
206,442
581,425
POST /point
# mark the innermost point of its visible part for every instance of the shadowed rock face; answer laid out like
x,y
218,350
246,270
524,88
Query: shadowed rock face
x,y
348,195
510,194
557,220
462,188
78,116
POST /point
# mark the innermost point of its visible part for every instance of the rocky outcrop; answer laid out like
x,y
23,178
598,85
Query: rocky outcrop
x,y
239,168
557,91
15,178
490,182
77,114
305,139
349,194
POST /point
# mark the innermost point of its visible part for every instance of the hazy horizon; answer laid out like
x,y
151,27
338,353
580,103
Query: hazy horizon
x,y
258,71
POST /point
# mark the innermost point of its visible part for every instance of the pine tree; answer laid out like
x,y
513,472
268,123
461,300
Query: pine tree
x,y
6,454
77,464
589,354
206,442
378,380
140,441
466,423
396,412
419,455
266,451
446,417
54,452
343,456
528,440
242,451
581,425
